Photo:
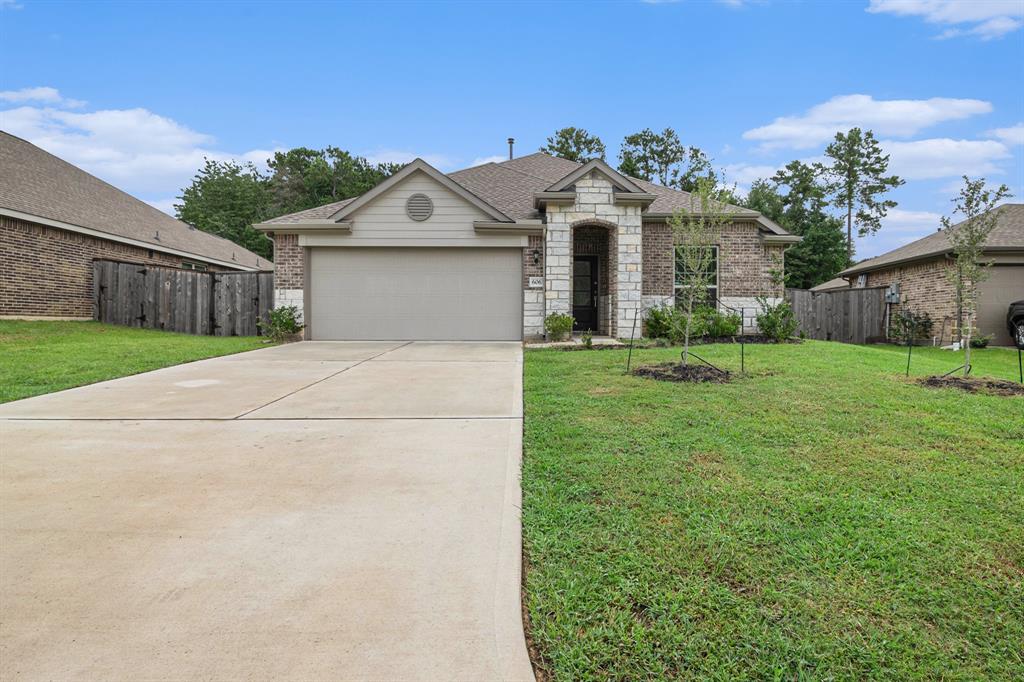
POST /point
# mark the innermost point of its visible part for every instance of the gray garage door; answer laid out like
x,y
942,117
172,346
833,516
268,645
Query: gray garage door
x,y
1004,286
407,293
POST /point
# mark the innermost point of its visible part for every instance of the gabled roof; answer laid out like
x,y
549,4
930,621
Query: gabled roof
x,y
832,285
418,166
616,178
1008,235
509,186
35,184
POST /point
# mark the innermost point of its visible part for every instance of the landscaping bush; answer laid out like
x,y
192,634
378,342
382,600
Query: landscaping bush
x,y
981,341
718,324
663,322
908,326
776,321
558,326
281,323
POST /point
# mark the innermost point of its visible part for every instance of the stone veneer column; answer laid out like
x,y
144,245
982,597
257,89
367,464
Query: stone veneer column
x,y
630,271
558,263
595,204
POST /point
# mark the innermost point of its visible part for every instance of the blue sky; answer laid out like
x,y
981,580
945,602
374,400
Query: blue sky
x,y
138,93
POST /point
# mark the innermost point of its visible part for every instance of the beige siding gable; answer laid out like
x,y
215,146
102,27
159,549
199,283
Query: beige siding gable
x,y
385,217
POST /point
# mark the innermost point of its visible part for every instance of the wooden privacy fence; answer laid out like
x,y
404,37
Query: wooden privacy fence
x,y
189,301
846,315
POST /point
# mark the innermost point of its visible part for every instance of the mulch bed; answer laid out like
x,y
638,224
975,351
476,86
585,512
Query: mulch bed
x,y
971,385
673,371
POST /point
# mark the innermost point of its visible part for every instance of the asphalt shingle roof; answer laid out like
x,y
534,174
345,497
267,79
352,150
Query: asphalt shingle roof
x,y
1008,234
38,183
509,187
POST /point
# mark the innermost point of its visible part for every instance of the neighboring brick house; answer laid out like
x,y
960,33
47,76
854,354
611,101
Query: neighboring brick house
x,y
56,219
490,251
921,270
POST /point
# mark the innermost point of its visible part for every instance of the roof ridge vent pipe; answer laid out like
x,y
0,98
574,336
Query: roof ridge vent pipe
x,y
511,142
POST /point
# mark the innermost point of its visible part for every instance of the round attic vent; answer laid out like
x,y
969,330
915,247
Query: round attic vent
x,y
419,207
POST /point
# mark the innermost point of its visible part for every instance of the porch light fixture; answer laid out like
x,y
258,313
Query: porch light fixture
x,y
536,256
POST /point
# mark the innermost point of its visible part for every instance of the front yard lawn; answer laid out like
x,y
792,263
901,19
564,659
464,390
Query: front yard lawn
x,y
824,518
42,357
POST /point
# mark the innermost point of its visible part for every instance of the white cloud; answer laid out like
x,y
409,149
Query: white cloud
x,y
898,117
911,222
40,94
481,160
944,157
985,19
1014,135
141,152
743,175
165,205
899,227
439,161
10,4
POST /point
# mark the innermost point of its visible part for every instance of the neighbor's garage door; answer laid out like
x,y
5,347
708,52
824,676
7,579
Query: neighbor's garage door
x,y
1004,286
410,293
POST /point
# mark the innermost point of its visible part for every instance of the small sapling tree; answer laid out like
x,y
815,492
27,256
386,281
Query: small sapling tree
x,y
976,203
695,230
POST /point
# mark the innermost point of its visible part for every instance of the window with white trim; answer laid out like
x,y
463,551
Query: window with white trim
x,y
681,274
188,265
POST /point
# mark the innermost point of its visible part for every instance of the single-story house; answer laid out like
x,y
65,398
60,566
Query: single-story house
x,y
921,272
488,252
56,219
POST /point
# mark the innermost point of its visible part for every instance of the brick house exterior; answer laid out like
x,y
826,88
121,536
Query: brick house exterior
x,y
555,213
56,219
922,272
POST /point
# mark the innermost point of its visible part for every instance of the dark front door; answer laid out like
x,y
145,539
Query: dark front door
x,y
584,293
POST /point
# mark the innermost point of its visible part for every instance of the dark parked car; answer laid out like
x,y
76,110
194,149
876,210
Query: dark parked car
x,y
1015,322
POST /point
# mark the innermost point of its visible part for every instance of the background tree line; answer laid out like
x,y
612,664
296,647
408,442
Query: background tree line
x,y
818,201
226,198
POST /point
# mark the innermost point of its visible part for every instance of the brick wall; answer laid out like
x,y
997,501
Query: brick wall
x,y
926,285
744,261
289,262
47,272
536,243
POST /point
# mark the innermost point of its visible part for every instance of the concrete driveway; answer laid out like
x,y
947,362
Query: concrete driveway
x,y
312,511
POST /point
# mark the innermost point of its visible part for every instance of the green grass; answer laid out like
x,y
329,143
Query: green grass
x,y
822,518
42,357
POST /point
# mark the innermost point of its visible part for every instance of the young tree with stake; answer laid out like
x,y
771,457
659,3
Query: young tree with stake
x,y
695,231
975,203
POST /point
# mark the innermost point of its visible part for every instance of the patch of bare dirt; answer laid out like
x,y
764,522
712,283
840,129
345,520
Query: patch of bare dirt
x,y
674,371
975,385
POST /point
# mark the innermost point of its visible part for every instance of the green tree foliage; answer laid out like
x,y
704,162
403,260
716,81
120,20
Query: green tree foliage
x,y
856,181
796,199
303,178
225,199
976,203
575,144
663,158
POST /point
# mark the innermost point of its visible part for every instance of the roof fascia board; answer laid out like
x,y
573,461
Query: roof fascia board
x,y
522,227
305,226
596,165
28,217
781,238
419,165
945,253
641,198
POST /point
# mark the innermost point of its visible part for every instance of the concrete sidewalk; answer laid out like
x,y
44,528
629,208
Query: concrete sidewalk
x,y
312,511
